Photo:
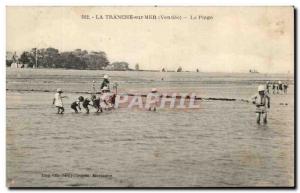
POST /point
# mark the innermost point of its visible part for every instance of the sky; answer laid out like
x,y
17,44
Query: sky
x,y
236,39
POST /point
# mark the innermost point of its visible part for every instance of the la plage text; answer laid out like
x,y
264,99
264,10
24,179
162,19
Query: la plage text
x,y
145,17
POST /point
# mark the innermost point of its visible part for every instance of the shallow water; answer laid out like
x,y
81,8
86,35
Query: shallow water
x,y
218,144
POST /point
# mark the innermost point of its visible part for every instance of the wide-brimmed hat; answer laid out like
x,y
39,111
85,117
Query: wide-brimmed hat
x,y
105,76
59,90
153,90
261,88
105,88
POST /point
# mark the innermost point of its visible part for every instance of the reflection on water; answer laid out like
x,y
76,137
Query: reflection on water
x,y
219,144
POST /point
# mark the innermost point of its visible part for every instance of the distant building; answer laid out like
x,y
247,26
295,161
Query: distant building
x,y
17,65
118,66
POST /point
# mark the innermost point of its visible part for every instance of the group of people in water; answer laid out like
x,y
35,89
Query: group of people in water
x,y
262,98
277,87
105,99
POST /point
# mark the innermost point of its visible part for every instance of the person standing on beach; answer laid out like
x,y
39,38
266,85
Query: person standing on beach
x,y
57,101
105,82
262,102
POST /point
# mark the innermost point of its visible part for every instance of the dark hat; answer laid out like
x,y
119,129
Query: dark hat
x,y
80,98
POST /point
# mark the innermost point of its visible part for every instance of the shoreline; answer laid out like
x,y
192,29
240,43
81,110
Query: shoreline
x,y
201,72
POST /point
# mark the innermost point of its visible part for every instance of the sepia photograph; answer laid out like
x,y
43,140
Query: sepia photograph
x,y
150,97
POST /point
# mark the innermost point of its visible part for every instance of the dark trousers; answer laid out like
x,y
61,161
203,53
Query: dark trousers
x,y
74,108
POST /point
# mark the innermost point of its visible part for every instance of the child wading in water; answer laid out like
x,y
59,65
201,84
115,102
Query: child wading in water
x,y
85,104
57,101
96,103
76,104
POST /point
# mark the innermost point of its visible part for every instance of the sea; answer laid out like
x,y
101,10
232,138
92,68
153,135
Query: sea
x,y
218,144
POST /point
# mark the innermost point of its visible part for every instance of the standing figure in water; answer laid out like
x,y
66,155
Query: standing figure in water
x,y
153,106
275,87
285,87
268,86
280,87
57,101
262,102
105,82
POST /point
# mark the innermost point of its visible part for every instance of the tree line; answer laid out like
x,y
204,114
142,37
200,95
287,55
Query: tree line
x,y
77,59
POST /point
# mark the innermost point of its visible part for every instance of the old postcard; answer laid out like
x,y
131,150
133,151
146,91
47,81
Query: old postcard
x,y
150,96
